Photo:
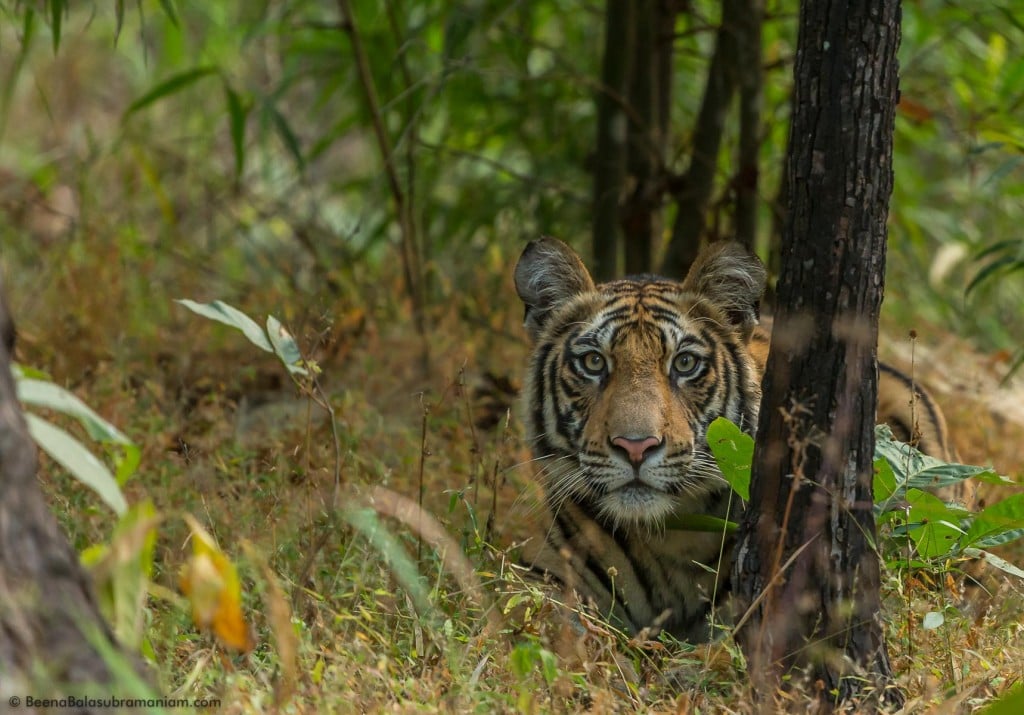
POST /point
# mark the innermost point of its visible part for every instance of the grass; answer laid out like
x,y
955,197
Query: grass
x,y
228,439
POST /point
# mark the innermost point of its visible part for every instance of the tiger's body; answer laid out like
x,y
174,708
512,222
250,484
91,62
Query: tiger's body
x,y
624,379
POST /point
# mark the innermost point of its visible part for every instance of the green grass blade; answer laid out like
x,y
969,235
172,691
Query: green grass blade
x,y
169,86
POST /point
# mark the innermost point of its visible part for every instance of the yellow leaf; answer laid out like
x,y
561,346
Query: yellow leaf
x,y
210,582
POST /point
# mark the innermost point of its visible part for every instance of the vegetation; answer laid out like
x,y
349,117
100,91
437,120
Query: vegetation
x,y
370,182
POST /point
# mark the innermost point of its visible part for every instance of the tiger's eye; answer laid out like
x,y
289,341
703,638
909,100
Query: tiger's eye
x,y
593,362
685,364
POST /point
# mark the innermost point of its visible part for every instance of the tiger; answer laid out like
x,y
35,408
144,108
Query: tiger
x,y
623,380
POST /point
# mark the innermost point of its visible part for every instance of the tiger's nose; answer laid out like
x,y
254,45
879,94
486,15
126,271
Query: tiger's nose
x,y
637,449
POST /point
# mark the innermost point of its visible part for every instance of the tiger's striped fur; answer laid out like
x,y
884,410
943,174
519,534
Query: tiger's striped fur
x,y
624,379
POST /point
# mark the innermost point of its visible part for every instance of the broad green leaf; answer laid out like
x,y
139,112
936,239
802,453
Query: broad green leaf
x,y
999,523
916,470
229,315
734,453
933,525
700,522
285,346
932,620
1010,703
79,461
885,484
169,86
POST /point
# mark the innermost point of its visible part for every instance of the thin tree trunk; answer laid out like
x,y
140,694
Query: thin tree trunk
x,y
807,540
50,623
612,131
697,184
751,80
644,158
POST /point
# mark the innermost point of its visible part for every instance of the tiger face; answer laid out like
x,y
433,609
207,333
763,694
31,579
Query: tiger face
x,y
626,376
624,380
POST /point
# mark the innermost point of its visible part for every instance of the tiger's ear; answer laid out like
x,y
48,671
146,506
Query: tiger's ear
x,y
548,274
731,277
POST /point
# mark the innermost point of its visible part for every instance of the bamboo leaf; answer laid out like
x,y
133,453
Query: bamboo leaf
x,y
237,115
229,315
82,464
288,137
169,86
172,14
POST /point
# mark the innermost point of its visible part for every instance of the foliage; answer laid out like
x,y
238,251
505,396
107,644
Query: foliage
x,y
68,451
223,150
939,532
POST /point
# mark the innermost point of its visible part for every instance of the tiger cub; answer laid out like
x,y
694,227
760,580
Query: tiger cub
x,y
624,379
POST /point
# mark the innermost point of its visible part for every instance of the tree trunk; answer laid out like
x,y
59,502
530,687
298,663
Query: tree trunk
x,y
612,130
644,161
697,184
49,619
751,81
806,539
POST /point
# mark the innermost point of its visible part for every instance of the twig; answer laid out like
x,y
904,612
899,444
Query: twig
x,y
412,264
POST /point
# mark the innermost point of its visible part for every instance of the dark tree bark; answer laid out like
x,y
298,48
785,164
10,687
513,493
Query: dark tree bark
x,y
638,211
805,542
612,131
751,81
697,184
47,609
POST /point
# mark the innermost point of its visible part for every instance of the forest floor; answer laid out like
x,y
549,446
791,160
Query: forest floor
x,y
228,438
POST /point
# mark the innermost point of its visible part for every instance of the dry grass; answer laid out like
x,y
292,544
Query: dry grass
x,y
227,438
253,459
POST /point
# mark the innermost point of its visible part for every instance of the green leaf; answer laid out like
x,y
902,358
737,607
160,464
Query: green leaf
x,y
284,130
57,10
700,522
1010,703
933,525
1014,367
118,20
995,561
238,111
1000,266
916,470
885,483
932,620
285,346
50,396
54,397
999,523
368,523
229,315
168,8
79,461
734,453
169,86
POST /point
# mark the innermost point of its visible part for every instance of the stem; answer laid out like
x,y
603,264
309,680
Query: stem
x,y
412,263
